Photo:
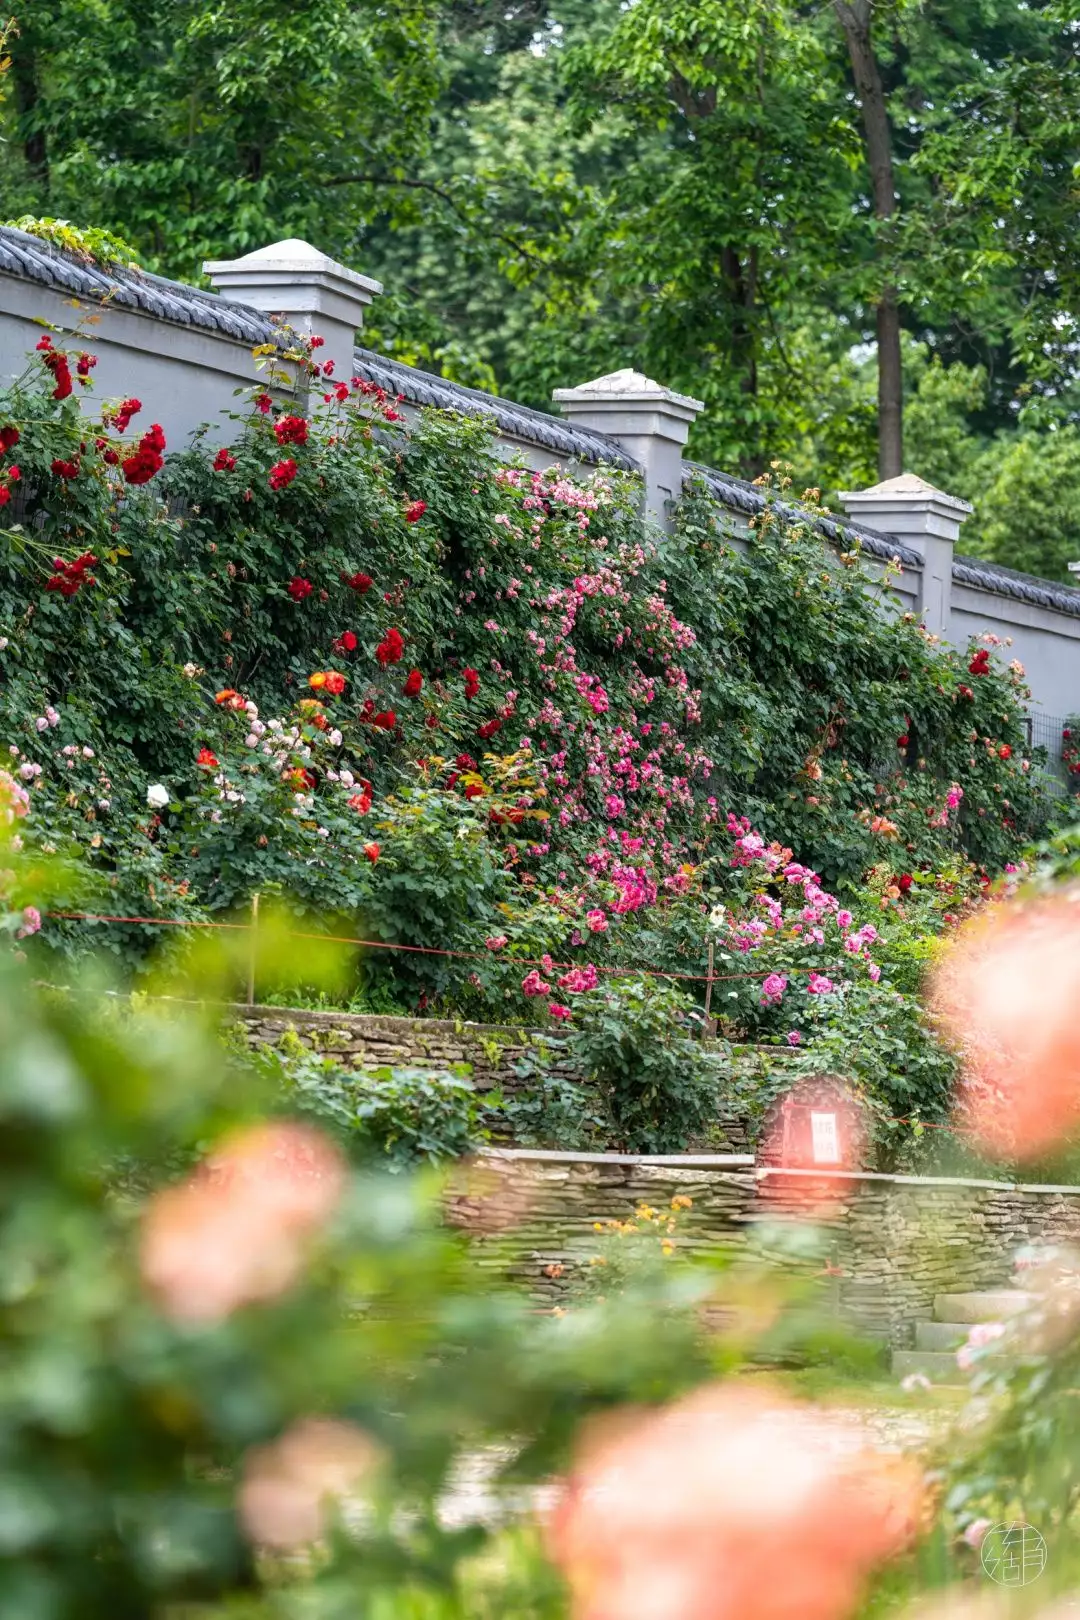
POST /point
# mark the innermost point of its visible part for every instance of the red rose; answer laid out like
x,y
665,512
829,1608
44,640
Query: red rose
x,y
472,683
142,464
44,342
903,882
390,648
465,762
386,720
126,409
223,461
69,577
264,403
413,684
291,430
57,364
299,588
282,473
1066,733
488,729
360,582
13,474
206,758
5,495
9,437
344,643
334,683
902,742
372,852
415,511
86,364
1004,752
66,469
474,791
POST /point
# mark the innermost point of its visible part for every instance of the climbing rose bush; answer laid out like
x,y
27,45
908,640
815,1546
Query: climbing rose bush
x,y
511,642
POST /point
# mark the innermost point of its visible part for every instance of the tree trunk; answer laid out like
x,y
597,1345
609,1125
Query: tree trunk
x,y
740,278
25,79
855,18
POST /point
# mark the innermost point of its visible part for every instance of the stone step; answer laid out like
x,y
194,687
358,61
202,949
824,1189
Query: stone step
x,y
940,1365
988,1305
941,1335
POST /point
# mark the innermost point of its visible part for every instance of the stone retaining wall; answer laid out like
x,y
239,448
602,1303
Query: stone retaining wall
x,y
533,1215
491,1052
368,1040
903,1239
897,1240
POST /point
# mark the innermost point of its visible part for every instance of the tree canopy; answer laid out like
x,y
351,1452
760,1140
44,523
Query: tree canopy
x,y
847,228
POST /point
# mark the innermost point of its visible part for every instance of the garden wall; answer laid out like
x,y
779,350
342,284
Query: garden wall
x,y
362,1040
185,351
491,1052
897,1240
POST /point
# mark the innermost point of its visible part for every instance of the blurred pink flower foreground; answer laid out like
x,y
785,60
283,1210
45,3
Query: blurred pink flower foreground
x,y
1008,992
288,1487
729,1505
236,1232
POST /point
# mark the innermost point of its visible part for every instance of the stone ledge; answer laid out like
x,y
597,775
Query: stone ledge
x,y
673,1161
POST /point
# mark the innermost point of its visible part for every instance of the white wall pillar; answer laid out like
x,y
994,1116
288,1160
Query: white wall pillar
x,y
648,421
309,291
927,520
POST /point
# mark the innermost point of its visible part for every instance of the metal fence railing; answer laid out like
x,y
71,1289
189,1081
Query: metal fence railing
x,y
1045,731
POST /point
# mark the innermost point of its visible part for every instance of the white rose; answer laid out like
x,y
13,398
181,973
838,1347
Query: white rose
x,y
157,797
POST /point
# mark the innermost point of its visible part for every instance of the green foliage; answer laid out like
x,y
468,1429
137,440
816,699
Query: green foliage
x,y
468,715
547,1107
819,688
127,1430
1026,509
87,242
636,1040
1022,478
690,178
399,1116
882,1040
629,1251
231,121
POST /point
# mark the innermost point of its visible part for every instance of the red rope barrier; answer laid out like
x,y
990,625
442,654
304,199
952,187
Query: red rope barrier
x,y
478,956
438,950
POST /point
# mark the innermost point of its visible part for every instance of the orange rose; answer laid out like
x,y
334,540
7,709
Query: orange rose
x,y
732,1504
1007,992
236,1232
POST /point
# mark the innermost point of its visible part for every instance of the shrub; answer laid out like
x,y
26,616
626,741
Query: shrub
x,y
158,1361
463,710
635,1040
622,701
400,1116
